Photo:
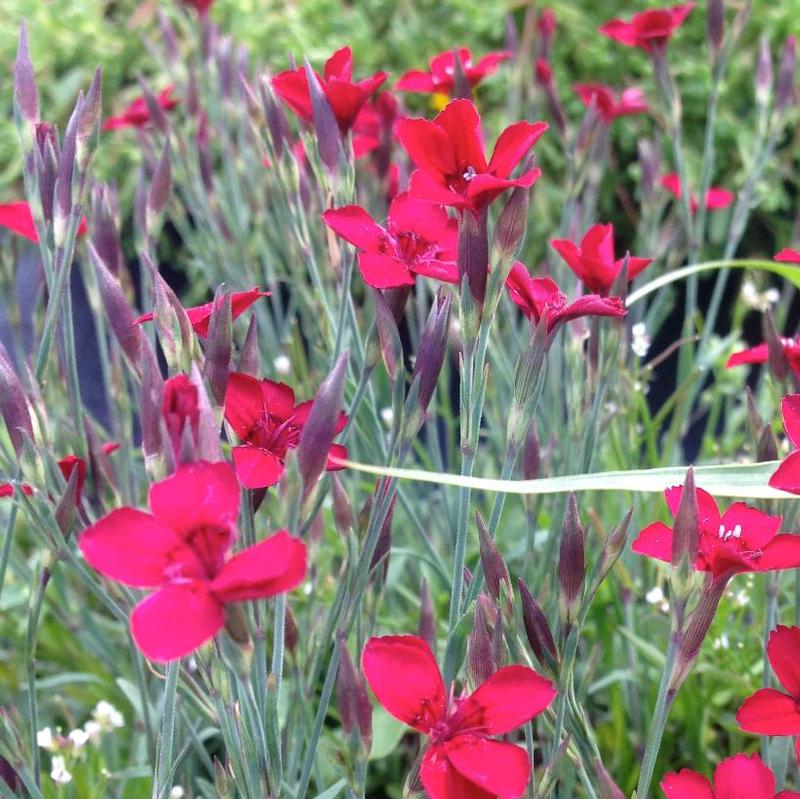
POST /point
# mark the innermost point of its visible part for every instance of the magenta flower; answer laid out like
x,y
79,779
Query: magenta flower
x,y
787,476
419,239
593,259
609,105
540,297
717,198
137,114
760,354
17,217
449,155
440,78
345,96
649,29
180,549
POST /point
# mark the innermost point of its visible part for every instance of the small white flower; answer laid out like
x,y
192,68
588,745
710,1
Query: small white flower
x,y
640,341
282,364
723,642
58,771
107,716
177,792
79,738
387,415
44,739
92,730
655,596
759,300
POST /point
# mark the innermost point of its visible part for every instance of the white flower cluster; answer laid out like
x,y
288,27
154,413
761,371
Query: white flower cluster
x,y
105,718
758,300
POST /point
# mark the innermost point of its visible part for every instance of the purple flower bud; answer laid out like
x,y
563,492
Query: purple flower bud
x,y
537,629
608,788
480,662
204,154
322,425
26,95
291,633
763,71
219,346
342,509
160,187
384,544
351,689
432,344
511,35
495,570
117,309
66,166
169,38
461,87
67,505
473,252
329,139
154,110
427,617
152,401
531,454
388,336
650,165
13,403
192,93
685,531
778,362
225,66
277,123
104,231
785,83
509,231
571,563
715,25
249,358
208,440
89,123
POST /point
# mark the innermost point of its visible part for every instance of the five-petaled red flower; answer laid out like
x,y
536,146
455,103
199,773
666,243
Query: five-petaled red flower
x,y
769,711
264,416
345,96
137,114
743,539
449,154
17,217
539,297
180,549
736,777
717,198
462,760
648,29
787,476
760,354
609,104
419,239
200,315
593,259
440,78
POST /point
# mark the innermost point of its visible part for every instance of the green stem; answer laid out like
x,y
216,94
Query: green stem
x,y
166,737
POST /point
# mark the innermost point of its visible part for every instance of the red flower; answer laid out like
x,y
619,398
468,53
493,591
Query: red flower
x,y
264,416
716,198
441,76
18,218
743,539
608,104
180,409
773,712
648,29
760,354
345,97
462,760
7,489
200,6
137,114
200,315
787,476
593,260
449,154
736,777
540,297
180,549
375,123
788,255
419,239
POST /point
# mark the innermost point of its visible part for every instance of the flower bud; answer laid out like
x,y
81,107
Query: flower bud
x,y
152,403
495,570
715,25
778,362
613,546
351,689
14,403
117,309
342,509
208,439
204,153
329,138
160,186
480,662
785,82
537,629
219,345
62,209
170,39
277,123
291,633
223,781
74,471
89,123
181,412
509,232
384,544
427,617
430,357
26,95
461,87
388,336
763,72
571,563
531,454
321,427
473,253
156,113
104,230
249,356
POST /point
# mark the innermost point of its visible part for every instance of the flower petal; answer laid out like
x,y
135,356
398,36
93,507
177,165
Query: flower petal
x,y
782,552
686,784
404,676
512,696
256,467
757,354
355,225
442,781
175,620
513,145
383,271
655,541
787,476
743,777
427,145
273,566
500,768
244,403
137,549
758,528
769,712
790,411
462,123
